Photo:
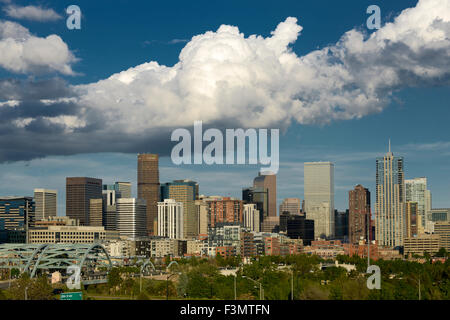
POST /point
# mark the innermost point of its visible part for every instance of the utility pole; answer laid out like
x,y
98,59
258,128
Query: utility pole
x,y
235,294
292,285
368,238
419,289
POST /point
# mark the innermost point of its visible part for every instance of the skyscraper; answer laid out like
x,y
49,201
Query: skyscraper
x,y
96,212
416,191
268,181
131,217
109,207
123,189
148,186
170,219
45,202
390,224
260,197
319,196
291,205
359,213
186,192
79,192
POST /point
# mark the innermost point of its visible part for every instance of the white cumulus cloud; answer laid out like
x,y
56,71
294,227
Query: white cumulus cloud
x,y
22,52
34,13
257,81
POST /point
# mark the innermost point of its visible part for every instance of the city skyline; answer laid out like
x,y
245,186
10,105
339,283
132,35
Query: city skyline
x,y
176,173
328,136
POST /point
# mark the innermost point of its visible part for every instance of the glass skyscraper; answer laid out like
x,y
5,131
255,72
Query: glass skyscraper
x,y
390,201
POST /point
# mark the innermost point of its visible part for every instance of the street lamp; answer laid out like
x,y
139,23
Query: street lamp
x,y
261,295
167,284
142,271
419,286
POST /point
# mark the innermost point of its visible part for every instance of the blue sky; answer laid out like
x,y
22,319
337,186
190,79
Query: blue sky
x,y
117,35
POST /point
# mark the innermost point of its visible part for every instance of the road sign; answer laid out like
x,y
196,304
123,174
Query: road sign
x,y
71,296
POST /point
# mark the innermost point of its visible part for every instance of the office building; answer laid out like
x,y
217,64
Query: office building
x,y
416,191
123,189
96,212
421,244
201,208
390,226
148,187
170,219
442,229
298,227
319,197
359,214
45,203
291,205
258,196
70,234
439,214
57,221
109,207
251,217
131,217
268,181
341,225
186,192
271,224
79,192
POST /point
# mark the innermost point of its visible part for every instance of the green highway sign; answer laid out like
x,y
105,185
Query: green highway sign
x,y
71,296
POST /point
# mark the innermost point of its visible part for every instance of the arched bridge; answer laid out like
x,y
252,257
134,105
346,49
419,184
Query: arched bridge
x,y
92,259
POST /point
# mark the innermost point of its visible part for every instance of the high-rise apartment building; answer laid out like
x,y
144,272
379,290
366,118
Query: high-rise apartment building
x,y
148,187
45,203
412,219
291,205
79,192
170,219
416,191
268,181
390,224
131,217
225,210
319,197
251,217
359,213
186,192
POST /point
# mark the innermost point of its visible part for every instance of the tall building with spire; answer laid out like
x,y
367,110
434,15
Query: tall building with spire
x,y
148,187
390,226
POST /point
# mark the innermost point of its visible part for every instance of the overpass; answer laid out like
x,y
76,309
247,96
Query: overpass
x,y
92,259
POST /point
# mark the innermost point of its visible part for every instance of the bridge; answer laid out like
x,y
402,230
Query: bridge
x,y
92,259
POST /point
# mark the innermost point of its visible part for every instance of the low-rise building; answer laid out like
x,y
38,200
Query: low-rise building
x,y
421,244
70,234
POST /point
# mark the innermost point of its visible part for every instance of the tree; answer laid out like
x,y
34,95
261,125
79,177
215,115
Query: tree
x,y
441,253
